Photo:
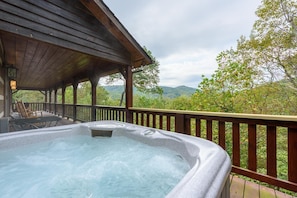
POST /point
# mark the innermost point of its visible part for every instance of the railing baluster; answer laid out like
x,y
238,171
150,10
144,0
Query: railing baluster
x,y
236,144
222,135
198,127
271,151
136,117
142,119
292,154
168,122
252,147
154,120
161,121
147,119
209,130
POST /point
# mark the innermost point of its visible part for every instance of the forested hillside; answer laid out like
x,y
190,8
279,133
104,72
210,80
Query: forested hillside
x,y
115,91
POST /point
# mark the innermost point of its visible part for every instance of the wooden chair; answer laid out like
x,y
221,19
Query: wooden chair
x,y
30,119
23,111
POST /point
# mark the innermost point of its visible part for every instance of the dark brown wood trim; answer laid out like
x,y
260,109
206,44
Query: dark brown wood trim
x,y
108,19
271,151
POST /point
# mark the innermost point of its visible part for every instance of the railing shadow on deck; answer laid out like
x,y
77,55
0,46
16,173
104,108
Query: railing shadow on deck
x,y
262,147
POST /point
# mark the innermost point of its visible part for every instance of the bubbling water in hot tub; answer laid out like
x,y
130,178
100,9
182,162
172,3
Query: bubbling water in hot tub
x,y
82,166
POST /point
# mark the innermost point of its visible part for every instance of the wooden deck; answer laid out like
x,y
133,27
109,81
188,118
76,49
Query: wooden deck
x,y
241,188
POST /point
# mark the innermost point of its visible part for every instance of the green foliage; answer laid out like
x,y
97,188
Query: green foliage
x,y
174,92
180,103
274,40
168,92
260,75
28,96
84,95
219,92
149,102
145,78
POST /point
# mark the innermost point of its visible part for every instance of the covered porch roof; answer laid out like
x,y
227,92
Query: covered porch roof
x,y
54,43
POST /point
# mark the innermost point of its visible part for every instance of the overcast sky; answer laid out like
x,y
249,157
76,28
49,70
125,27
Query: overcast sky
x,y
186,36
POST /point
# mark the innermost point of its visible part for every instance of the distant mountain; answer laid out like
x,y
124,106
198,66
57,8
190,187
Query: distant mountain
x,y
115,91
173,92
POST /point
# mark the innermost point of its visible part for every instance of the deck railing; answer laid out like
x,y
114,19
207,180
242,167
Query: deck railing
x,y
262,147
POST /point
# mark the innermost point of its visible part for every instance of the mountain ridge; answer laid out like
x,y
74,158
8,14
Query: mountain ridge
x,y
170,92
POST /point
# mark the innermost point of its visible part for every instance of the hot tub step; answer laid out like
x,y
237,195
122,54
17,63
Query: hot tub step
x,y
101,133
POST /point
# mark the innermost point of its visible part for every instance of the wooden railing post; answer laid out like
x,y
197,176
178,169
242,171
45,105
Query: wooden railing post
x,y
180,123
187,125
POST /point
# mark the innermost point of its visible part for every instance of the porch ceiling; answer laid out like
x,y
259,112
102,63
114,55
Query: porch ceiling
x,y
54,43
42,65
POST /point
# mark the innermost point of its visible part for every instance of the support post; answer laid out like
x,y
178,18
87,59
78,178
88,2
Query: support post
x,y
180,123
63,101
94,82
50,101
45,107
75,85
55,100
129,93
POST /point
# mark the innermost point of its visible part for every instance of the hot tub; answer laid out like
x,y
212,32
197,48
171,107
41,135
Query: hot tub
x,y
210,165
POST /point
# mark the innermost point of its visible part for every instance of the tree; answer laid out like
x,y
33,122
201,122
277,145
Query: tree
x,y
145,78
84,94
246,75
219,92
28,96
274,40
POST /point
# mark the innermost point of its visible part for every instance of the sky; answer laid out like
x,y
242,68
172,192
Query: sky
x,y
186,36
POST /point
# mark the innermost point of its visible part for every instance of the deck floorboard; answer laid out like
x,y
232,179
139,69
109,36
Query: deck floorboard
x,y
241,188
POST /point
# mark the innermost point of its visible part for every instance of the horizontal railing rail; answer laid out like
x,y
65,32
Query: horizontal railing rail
x,y
262,147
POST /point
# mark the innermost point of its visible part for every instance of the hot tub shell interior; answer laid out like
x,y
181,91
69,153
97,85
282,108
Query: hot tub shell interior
x,y
210,164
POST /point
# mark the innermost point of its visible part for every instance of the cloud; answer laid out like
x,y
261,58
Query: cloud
x,y
185,37
187,66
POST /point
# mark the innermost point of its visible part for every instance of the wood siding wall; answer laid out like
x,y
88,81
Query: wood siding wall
x,y
1,92
2,73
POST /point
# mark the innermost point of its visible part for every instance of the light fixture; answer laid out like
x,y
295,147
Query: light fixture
x,y
13,84
12,76
11,72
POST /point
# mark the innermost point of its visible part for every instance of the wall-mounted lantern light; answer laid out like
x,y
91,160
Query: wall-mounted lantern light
x,y
11,72
13,84
12,75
